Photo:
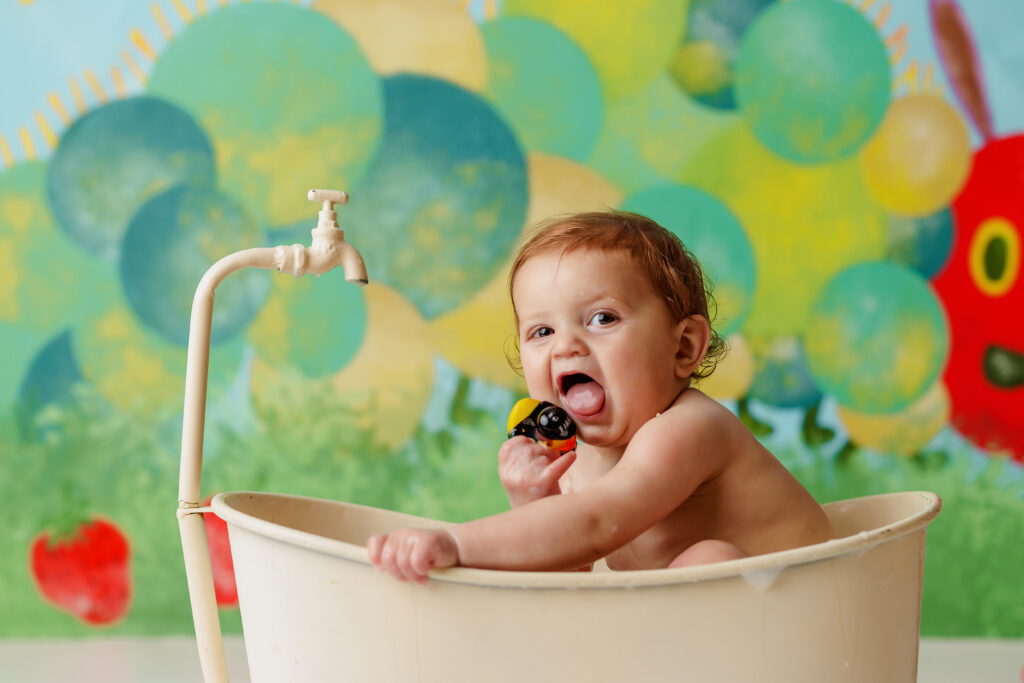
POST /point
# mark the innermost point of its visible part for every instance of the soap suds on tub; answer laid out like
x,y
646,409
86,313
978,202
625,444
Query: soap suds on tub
x,y
762,579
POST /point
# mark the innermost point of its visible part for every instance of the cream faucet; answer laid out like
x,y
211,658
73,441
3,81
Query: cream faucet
x,y
328,250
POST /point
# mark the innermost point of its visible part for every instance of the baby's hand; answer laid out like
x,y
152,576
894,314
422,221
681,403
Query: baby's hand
x,y
530,471
408,554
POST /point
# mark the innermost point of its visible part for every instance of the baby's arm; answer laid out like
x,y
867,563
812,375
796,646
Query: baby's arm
x,y
530,471
667,459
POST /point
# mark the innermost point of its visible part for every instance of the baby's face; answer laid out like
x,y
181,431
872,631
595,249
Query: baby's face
x,y
595,338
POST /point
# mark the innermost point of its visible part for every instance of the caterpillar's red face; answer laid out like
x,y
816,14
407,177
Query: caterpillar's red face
x,y
982,287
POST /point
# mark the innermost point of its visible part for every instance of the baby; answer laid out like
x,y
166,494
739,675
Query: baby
x,y
612,318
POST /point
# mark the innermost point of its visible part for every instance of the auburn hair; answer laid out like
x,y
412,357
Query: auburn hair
x,y
672,270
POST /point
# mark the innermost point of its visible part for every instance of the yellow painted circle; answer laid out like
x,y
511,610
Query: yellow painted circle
x,y
905,432
734,374
431,37
827,222
995,279
919,157
140,372
630,42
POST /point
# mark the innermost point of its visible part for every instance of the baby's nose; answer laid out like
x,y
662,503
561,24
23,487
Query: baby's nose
x,y
568,344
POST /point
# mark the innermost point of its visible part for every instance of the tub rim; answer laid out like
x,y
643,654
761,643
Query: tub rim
x,y
766,564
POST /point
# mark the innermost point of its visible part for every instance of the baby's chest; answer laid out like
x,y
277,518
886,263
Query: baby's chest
x,y
585,471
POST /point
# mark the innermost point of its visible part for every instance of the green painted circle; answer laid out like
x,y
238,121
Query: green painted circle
x,y
877,338
47,282
714,235
812,79
289,100
649,136
544,86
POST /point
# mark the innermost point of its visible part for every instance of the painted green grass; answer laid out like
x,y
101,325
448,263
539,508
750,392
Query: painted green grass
x,y
93,461
974,552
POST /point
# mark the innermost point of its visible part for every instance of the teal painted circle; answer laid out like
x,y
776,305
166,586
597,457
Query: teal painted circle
x,y
544,86
114,159
922,243
286,94
171,243
714,28
877,338
781,376
715,236
49,380
812,79
326,317
444,202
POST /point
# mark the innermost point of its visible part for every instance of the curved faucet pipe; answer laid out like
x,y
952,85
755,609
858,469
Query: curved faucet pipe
x,y
328,250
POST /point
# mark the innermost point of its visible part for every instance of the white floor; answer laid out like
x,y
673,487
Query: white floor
x,y
174,660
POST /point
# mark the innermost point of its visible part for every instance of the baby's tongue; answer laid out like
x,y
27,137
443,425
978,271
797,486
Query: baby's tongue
x,y
585,398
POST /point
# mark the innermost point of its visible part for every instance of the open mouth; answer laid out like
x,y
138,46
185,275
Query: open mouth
x,y
1003,367
567,382
583,396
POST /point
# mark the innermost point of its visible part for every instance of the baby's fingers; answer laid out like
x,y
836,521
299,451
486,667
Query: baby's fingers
x,y
385,554
559,466
420,562
374,546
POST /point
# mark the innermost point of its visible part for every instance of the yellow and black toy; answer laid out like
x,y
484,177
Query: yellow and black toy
x,y
543,422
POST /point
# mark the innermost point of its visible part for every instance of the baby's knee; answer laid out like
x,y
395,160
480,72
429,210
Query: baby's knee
x,y
707,552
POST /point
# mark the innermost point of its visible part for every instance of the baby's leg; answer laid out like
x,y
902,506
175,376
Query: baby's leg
x,y
707,552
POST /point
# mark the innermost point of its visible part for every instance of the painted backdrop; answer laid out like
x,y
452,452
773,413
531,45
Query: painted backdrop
x,y
851,174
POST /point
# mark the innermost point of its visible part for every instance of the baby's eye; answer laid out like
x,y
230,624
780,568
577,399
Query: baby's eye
x,y
540,332
602,318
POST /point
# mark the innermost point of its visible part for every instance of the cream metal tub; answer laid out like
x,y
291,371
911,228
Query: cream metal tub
x,y
313,609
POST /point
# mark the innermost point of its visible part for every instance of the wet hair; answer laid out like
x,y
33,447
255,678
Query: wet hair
x,y
673,271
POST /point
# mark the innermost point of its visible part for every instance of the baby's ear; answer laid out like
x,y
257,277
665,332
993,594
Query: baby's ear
x,y
694,335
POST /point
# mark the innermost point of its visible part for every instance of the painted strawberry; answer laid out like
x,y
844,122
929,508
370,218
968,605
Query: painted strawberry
x,y
87,574
220,560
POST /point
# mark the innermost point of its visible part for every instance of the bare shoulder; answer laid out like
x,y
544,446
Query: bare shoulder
x,y
695,431
700,417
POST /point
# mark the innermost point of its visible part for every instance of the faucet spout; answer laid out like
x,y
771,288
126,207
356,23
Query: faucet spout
x,y
353,265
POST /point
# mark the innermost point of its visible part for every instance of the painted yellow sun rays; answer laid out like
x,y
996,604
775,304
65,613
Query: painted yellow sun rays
x,y
88,88
915,76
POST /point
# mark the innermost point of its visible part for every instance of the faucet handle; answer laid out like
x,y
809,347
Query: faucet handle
x,y
328,197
